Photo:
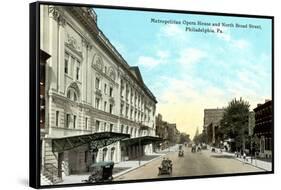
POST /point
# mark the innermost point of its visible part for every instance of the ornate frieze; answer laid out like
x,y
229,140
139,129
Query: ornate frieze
x,y
57,14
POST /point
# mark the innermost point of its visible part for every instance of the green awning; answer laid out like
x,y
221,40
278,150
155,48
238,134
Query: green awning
x,y
95,140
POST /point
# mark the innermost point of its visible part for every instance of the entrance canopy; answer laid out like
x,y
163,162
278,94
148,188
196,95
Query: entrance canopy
x,y
144,140
95,140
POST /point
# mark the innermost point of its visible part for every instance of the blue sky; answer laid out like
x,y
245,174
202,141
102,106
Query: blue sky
x,y
190,71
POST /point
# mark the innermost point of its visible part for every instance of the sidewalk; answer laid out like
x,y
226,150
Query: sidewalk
x,y
121,168
254,162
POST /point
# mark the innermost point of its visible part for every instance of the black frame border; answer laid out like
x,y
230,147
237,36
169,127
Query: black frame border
x,y
34,94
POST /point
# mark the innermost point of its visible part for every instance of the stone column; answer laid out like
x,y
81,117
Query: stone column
x,y
53,47
61,54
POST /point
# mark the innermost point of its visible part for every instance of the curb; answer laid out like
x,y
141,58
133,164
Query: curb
x,y
240,160
134,168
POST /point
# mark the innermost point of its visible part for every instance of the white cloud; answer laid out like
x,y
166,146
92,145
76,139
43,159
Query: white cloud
x,y
191,56
163,54
236,43
240,44
171,30
148,62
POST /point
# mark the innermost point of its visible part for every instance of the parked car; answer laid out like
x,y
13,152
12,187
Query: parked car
x,y
101,172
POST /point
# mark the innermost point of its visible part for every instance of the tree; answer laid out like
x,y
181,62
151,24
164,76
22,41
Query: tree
x,y
234,124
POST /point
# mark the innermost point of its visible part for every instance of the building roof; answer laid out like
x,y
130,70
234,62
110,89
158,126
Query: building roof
x,y
262,106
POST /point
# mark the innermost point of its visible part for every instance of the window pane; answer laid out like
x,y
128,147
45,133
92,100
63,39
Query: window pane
x,y
74,121
66,59
57,118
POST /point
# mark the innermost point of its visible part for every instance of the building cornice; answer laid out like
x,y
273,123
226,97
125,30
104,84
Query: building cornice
x,y
88,20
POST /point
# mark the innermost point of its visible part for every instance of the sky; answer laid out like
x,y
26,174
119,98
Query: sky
x,y
191,71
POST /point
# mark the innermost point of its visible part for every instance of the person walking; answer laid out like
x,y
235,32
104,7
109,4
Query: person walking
x,y
244,157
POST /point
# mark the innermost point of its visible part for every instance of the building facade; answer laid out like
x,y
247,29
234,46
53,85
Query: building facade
x,y
263,128
89,88
212,118
167,131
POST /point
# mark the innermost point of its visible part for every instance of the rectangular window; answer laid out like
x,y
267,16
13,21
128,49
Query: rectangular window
x,y
57,118
110,91
111,128
97,125
105,88
122,128
104,126
67,122
74,121
97,83
71,67
105,105
66,60
110,108
127,110
97,103
121,109
77,73
86,123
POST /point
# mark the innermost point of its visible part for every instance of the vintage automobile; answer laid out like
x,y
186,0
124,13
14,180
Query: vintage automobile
x,y
193,148
166,167
181,153
100,172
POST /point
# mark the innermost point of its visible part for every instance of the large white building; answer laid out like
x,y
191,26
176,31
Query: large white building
x,y
89,89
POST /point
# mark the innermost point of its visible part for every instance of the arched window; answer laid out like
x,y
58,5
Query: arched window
x,y
73,92
72,95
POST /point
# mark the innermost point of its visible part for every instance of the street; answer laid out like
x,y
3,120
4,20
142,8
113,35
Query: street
x,y
192,164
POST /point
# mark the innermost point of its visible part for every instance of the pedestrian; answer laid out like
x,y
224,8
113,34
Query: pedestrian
x,y
244,157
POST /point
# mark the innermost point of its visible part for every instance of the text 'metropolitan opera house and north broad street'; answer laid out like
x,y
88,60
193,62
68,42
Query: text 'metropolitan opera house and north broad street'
x,y
96,108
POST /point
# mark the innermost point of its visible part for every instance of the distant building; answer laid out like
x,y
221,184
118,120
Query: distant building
x,y
161,127
212,118
173,133
263,128
167,131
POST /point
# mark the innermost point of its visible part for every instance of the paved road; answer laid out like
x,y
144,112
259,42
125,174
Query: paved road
x,y
192,164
